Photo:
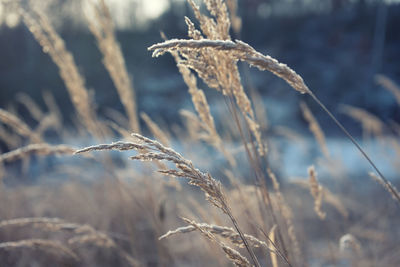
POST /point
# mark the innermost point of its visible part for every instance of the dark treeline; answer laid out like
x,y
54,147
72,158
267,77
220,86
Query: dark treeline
x,y
337,48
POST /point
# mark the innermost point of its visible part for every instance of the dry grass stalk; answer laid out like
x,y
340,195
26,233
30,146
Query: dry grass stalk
x,y
389,85
327,197
239,51
120,130
163,137
36,149
259,106
244,194
274,256
194,125
159,134
18,125
52,105
198,97
95,239
289,134
370,123
101,240
49,121
40,244
184,169
315,128
234,18
102,28
202,108
287,214
223,232
28,221
116,116
9,139
30,105
335,201
388,187
53,110
83,233
41,28
233,255
217,69
54,225
120,145
316,191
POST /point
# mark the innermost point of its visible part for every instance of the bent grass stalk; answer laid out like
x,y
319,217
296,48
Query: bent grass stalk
x,y
244,52
83,234
53,247
200,103
102,27
315,128
184,169
223,232
369,122
52,44
232,254
18,125
36,149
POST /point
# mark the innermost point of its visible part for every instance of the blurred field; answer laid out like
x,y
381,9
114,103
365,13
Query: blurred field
x,y
220,155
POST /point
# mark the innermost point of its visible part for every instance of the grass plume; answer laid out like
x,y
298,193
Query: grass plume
x,y
184,169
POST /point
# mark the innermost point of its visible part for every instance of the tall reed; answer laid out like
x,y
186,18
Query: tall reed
x,y
43,31
101,25
239,50
184,169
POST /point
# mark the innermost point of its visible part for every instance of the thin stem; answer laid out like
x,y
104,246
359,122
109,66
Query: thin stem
x,y
236,225
260,179
276,248
349,136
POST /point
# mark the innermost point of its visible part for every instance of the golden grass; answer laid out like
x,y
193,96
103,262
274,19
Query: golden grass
x,y
40,244
233,255
102,28
287,214
237,50
83,234
201,105
217,69
41,28
184,169
36,149
155,130
316,191
273,226
271,236
18,125
223,232
371,124
315,128
193,50
30,105
236,21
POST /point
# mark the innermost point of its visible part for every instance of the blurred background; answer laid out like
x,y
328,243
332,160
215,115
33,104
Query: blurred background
x,y
347,52
337,46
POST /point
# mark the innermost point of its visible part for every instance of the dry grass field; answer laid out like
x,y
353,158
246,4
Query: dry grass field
x,y
133,192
